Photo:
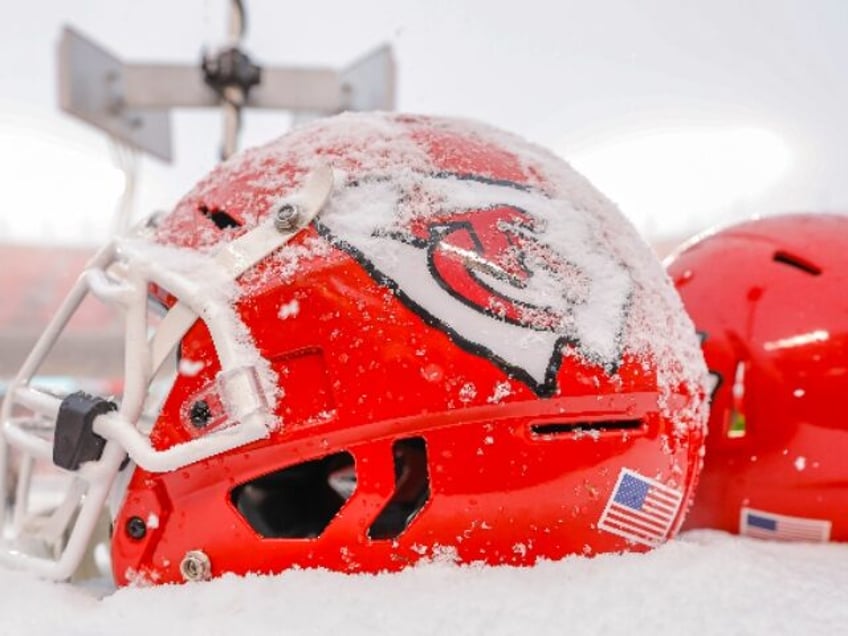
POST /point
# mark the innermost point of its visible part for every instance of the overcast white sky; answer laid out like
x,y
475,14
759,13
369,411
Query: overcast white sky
x,y
686,113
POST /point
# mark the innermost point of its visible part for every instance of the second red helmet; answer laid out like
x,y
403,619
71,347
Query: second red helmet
x,y
770,300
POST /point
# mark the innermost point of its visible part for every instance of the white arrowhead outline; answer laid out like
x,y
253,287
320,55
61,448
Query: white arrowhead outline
x,y
361,217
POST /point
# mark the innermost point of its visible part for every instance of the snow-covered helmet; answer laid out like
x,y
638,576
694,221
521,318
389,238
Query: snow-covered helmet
x,y
385,337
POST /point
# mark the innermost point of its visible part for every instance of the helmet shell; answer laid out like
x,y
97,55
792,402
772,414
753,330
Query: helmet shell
x,y
470,352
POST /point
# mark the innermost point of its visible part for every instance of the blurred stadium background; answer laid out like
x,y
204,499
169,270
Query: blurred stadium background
x,y
686,114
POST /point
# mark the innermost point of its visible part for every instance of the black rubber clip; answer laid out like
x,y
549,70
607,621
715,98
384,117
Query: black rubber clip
x,y
75,441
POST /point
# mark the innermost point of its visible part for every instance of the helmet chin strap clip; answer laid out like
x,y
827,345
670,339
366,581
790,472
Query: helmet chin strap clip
x,y
75,441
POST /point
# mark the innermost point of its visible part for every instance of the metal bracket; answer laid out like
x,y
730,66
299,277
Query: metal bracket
x,y
131,101
92,86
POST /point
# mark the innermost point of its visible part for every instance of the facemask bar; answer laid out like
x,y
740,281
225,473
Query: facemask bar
x,y
120,275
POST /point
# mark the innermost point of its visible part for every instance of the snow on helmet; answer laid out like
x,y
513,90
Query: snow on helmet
x,y
390,338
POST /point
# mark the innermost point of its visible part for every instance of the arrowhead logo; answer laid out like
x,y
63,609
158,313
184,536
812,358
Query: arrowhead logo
x,y
509,273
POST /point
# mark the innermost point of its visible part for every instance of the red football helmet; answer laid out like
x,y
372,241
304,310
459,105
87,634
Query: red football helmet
x,y
770,300
385,338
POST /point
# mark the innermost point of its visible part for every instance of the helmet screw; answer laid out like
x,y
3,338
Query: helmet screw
x,y
286,217
196,566
136,528
200,413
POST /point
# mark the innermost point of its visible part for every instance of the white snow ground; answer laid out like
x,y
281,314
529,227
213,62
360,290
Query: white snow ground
x,y
704,582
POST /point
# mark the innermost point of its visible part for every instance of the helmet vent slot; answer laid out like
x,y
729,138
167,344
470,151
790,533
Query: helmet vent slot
x,y
297,502
797,262
221,218
412,490
599,426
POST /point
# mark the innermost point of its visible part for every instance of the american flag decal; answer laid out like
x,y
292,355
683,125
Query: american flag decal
x,y
640,509
767,525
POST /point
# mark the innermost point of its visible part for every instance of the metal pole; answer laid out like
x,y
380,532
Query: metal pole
x,y
234,96
236,30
